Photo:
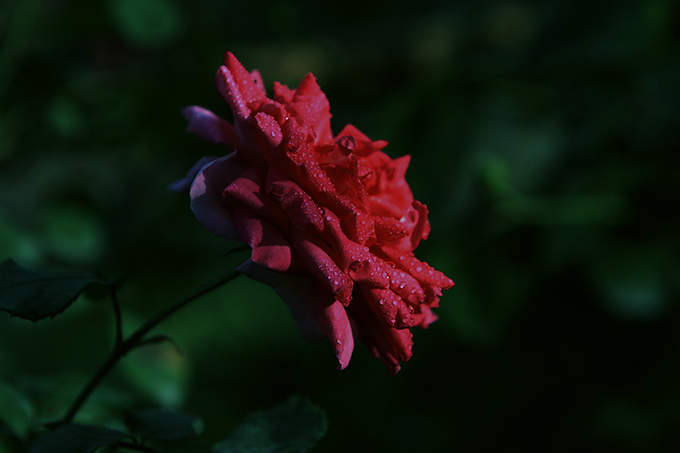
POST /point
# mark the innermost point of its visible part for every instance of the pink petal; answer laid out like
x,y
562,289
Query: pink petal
x,y
247,189
316,315
386,343
295,202
335,323
270,249
315,256
249,83
311,105
207,202
282,93
183,185
422,228
295,293
210,127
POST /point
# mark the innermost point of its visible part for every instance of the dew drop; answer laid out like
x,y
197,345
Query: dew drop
x,y
384,275
394,302
419,269
273,133
430,271
381,301
338,341
393,321
405,321
336,282
402,285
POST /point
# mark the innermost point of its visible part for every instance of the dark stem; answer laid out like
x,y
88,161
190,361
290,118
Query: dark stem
x,y
116,314
122,348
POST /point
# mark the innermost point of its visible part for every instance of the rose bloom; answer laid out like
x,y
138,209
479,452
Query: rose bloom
x,y
331,221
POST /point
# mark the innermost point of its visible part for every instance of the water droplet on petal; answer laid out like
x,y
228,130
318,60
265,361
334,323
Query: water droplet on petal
x,y
393,321
419,269
338,341
381,301
394,302
402,285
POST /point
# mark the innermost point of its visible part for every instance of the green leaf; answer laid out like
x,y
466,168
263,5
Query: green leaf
x,y
16,411
76,439
163,425
292,427
38,295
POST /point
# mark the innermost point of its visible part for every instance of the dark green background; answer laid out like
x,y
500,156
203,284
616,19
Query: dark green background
x,y
544,140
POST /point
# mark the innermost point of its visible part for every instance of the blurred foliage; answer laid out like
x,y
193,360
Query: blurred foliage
x,y
545,141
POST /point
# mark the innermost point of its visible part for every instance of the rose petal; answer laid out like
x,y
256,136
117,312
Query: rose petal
x,y
386,343
333,320
316,257
390,307
424,316
422,229
247,189
295,293
270,249
282,93
295,202
210,127
183,185
316,315
269,129
207,202
310,103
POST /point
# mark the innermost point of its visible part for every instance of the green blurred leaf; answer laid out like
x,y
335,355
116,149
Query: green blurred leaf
x,y
159,372
163,425
36,295
292,427
76,439
73,234
16,410
147,23
64,115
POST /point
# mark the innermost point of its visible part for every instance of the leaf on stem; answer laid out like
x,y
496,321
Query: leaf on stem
x,y
76,439
157,339
292,427
36,295
163,425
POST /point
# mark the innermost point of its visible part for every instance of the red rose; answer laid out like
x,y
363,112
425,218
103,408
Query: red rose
x,y
331,221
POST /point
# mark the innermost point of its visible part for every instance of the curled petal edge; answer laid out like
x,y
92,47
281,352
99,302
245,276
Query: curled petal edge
x,y
207,202
314,318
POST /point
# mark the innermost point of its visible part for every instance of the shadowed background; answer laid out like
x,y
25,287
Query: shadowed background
x,y
544,141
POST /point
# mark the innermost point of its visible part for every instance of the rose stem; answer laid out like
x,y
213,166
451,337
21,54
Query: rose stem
x,y
123,347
